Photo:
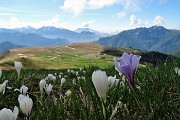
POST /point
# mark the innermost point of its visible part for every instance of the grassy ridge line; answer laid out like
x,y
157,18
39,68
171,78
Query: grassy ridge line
x,y
59,57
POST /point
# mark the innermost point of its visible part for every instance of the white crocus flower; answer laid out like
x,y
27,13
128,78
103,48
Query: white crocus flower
x,y
59,76
51,77
18,66
54,78
68,93
42,84
68,71
7,114
3,86
0,73
177,70
112,81
62,81
48,88
25,104
100,81
73,72
77,73
23,90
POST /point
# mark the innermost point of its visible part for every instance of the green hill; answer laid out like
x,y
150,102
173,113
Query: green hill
x,y
75,55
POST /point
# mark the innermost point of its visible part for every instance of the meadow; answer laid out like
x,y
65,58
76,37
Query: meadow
x,y
156,95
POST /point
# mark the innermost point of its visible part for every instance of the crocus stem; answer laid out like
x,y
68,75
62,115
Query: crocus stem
x,y
134,93
104,110
41,94
27,118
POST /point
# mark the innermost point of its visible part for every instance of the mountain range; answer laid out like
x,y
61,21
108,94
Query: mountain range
x,y
45,36
29,39
85,35
155,38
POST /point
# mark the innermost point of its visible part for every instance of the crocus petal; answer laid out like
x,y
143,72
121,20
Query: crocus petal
x,y
125,59
6,114
21,97
15,112
23,90
126,70
135,63
117,66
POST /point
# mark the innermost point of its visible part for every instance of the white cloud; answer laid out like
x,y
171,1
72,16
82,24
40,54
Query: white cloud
x,y
133,20
15,23
96,4
78,6
121,15
158,20
75,6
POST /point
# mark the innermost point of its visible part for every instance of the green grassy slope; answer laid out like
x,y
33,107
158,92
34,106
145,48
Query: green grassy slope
x,y
71,56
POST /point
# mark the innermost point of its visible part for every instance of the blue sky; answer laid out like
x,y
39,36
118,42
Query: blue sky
x,y
102,15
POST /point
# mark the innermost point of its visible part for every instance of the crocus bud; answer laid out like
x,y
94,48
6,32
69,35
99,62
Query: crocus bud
x,y
42,84
25,104
100,81
7,114
62,81
18,66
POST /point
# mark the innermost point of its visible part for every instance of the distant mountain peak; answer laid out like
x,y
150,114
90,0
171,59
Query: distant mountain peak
x,y
79,30
29,27
157,27
86,30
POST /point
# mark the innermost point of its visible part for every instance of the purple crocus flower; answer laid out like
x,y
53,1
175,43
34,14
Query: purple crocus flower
x,y
128,66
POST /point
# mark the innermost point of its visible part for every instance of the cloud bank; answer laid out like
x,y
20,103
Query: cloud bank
x,y
78,6
15,23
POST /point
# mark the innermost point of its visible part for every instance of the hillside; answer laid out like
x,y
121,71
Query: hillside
x,y
8,45
72,56
30,39
155,38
